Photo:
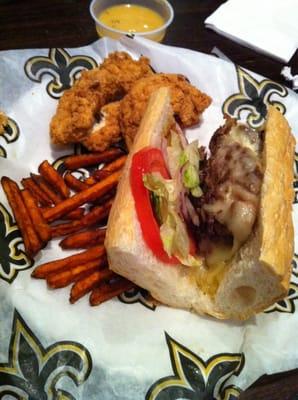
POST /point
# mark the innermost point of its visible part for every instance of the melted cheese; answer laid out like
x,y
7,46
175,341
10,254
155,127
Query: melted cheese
x,y
236,165
236,134
238,170
208,277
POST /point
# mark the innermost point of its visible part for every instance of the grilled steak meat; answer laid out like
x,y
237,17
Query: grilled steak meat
x,y
231,181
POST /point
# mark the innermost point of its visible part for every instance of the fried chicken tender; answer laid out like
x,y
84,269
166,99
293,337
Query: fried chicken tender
x,y
107,131
124,117
187,101
79,107
127,71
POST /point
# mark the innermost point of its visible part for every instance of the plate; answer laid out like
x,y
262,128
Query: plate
x,y
126,348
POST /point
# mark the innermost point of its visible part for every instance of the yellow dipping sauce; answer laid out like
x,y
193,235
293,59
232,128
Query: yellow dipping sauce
x,y
130,18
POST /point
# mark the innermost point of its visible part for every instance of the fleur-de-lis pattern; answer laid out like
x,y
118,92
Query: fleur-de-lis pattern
x,y
11,134
12,258
295,265
196,379
138,295
63,69
254,98
286,305
230,393
33,372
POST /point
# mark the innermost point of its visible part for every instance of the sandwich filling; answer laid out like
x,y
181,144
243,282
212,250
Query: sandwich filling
x,y
206,206
231,182
170,197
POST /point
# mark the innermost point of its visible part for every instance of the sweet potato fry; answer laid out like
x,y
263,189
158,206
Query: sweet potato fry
x,y
92,193
91,181
96,215
35,190
40,224
75,214
107,291
97,176
84,160
32,242
64,278
83,239
66,228
116,164
48,172
55,198
108,168
86,284
102,173
74,183
43,270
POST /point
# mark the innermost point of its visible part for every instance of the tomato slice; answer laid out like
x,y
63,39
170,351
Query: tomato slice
x,y
149,159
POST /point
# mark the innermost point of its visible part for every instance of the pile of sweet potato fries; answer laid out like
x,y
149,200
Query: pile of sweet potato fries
x,y
50,205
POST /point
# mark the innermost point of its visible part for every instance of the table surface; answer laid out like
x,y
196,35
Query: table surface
x,y
67,23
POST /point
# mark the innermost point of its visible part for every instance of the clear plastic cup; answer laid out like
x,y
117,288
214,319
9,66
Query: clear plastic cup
x,y
162,7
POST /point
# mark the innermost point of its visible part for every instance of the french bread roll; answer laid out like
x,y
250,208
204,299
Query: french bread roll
x,y
256,276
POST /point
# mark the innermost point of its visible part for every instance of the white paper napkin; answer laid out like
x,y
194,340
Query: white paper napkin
x,y
267,26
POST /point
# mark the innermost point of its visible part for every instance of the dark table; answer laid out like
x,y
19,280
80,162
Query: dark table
x,y
67,23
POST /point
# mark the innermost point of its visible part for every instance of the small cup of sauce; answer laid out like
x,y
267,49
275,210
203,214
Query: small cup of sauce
x,y
146,18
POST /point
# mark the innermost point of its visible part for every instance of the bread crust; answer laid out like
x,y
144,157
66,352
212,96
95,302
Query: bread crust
x,y
277,194
128,255
257,276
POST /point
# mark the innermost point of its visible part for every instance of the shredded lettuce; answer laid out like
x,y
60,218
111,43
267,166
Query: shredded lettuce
x,y
183,165
174,151
167,235
191,153
190,177
196,192
160,207
189,160
173,231
191,261
182,159
160,186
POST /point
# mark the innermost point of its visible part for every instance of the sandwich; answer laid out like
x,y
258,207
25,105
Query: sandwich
x,y
207,230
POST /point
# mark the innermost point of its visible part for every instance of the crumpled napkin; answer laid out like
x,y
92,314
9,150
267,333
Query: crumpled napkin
x,y
267,26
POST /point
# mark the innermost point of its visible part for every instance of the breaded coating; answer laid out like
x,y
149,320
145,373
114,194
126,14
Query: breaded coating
x,y
187,101
107,131
124,117
79,107
90,112
3,121
127,71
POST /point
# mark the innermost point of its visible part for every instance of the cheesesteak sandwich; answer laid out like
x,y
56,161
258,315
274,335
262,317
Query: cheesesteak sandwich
x,y
212,234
